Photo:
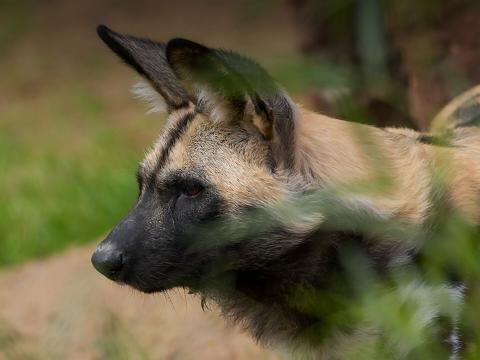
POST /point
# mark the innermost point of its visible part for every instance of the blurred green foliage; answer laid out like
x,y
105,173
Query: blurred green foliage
x,y
301,73
66,177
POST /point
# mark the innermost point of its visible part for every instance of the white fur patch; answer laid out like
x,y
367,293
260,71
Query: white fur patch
x,y
211,103
457,294
144,91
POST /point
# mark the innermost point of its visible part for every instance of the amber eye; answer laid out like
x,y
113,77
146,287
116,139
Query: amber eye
x,y
192,191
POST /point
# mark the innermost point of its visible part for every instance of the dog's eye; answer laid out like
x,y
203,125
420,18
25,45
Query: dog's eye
x,y
192,191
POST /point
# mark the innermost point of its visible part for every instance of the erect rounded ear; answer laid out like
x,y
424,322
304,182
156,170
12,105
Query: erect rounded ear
x,y
148,59
230,87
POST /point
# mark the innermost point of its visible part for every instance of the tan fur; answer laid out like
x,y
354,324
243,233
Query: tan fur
x,y
240,177
343,153
150,160
389,166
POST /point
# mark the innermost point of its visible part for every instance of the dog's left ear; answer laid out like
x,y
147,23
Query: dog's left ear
x,y
147,57
230,87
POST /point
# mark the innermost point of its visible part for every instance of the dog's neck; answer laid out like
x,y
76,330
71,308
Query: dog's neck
x,y
329,150
270,301
291,300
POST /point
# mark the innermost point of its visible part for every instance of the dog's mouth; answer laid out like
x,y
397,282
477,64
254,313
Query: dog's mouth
x,y
150,290
144,286
150,283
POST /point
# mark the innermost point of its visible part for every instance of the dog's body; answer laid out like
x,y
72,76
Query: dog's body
x,y
237,155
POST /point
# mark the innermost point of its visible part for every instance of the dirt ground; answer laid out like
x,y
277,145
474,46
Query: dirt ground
x,y
60,308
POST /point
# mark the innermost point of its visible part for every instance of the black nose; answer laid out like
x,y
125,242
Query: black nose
x,y
108,261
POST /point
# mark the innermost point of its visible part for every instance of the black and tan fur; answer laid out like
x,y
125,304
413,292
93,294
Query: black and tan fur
x,y
224,189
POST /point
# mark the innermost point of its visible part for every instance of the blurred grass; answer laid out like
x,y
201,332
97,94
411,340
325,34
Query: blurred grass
x,y
66,172
66,175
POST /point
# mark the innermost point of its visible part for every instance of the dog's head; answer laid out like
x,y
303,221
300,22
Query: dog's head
x,y
229,133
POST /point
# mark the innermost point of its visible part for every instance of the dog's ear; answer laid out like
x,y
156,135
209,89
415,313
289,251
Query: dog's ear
x,y
148,59
230,87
